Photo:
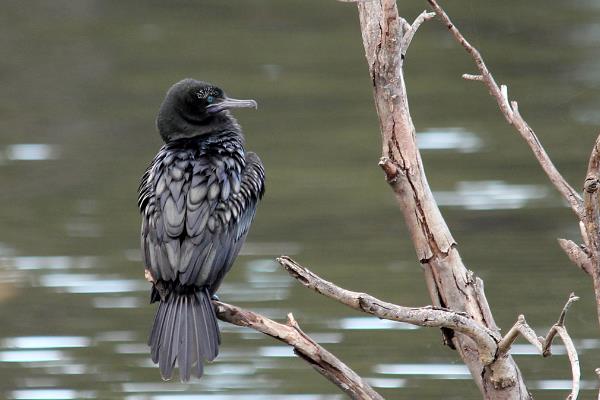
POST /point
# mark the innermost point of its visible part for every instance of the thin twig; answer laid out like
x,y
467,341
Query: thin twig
x,y
573,359
471,77
513,117
543,345
410,33
577,255
521,327
560,323
304,346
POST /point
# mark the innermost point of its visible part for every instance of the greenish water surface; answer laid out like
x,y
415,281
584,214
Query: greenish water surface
x,y
80,83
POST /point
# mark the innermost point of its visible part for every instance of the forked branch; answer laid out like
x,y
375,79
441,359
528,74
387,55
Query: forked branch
x,y
304,346
428,316
489,344
544,345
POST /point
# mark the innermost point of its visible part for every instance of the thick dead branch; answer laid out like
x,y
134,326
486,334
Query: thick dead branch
x,y
491,347
450,284
510,110
485,339
591,220
304,346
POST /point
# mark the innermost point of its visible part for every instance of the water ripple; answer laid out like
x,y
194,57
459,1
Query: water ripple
x,y
370,323
31,152
45,342
449,139
490,195
439,370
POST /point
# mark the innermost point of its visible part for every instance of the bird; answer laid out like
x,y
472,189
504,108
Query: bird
x,y
198,198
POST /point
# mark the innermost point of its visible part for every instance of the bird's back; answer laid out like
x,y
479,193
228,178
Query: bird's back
x,y
198,198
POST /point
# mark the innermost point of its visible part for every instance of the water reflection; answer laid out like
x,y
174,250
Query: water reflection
x,y
31,152
491,195
91,283
51,262
370,323
276,351
45,342
447,371
31,356
118,302
77,123
49,394
387,383
449,139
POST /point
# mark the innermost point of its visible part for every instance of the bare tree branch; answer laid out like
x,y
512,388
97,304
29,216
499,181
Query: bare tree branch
x,y
577,255
591,220
510,110
560,323
590,224
451,285
304,346
412,29
471,77
485,339
491,346
573,359
519,328
544,345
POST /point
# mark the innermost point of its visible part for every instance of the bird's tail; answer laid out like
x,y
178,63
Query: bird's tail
x,y
185,331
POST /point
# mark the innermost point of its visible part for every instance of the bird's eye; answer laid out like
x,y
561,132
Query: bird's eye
x,y
210,99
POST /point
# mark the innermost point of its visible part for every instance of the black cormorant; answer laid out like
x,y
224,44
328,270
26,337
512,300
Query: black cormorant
x,y
197,198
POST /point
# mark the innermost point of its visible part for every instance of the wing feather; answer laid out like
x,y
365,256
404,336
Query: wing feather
x,y
197,206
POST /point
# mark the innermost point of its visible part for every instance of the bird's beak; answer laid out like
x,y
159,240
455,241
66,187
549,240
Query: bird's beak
x,y
228,103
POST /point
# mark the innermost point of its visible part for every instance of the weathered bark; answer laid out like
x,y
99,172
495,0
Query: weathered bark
x,y
485,339
591,220
450,284
304,346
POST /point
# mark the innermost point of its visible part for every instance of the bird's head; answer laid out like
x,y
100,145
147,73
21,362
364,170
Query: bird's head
x,y
193,108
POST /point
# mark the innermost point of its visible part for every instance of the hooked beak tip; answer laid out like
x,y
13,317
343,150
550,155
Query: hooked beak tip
x,y
231,103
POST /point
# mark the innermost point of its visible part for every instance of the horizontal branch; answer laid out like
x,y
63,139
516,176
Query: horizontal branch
x,y
485,339
304,346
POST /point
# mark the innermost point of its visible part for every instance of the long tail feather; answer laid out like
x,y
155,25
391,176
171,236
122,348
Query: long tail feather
x,y
185,332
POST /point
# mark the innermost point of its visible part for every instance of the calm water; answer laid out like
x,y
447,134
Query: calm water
x,y
80,82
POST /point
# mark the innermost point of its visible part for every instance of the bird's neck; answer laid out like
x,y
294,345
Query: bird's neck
x,y
180,128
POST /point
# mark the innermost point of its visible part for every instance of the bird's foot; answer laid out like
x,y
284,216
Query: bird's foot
x,y
215,297
148,276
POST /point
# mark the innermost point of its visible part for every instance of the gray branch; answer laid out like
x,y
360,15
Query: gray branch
x,y
510,110
304,346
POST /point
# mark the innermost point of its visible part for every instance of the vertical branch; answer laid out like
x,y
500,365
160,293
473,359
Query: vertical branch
x,y
450,284
591,218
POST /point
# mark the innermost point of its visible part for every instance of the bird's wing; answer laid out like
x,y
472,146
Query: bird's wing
x,y
196,214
